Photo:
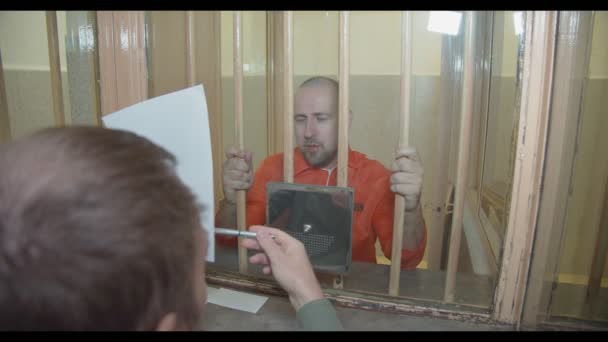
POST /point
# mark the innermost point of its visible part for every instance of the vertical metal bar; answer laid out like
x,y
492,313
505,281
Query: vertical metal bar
x,y
270,112
191,50
288,103
123,67
5,121
55,64
343,109
450,82
406,72
463,158
129,58
216,119
344,67
107,63
241,210
94,66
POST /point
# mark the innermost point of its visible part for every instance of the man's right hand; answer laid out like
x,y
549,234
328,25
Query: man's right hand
x,y
237,172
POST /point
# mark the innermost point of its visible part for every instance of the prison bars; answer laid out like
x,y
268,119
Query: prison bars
x,y
343,127
5,122
190,49
406,71
462,167
343,131
288,94
55,65
241,212
343,98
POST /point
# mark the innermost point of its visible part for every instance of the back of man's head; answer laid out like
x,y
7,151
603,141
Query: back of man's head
x,y
96,233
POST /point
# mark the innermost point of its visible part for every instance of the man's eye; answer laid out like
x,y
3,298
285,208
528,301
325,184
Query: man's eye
x,y
300,118
322,118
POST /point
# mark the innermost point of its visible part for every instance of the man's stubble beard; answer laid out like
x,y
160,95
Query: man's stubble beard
x,y
320,159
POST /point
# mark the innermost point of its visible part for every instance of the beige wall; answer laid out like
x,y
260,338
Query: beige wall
x,y
254,83
598,67
23,39
254,43
375,39
509,45
502,104
25,59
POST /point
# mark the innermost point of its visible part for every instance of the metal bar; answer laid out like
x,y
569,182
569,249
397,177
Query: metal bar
x,y
440,200
406,72
288,93
107,63
94,67
5,122
241,210
463,158
55,64
215,101
270,112
343,110
191,49
344,67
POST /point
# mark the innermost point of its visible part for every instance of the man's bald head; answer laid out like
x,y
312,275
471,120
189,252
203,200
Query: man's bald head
x,y
323,82
316,120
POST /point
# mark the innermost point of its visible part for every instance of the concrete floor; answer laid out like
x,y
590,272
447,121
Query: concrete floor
x,y
277,314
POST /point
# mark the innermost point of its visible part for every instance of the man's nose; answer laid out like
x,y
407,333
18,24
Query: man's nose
x,y
311,128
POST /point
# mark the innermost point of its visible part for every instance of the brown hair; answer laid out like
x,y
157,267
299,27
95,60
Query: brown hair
x,y
96,233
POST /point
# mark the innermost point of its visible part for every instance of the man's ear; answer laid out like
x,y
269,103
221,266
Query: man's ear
x,y
168,322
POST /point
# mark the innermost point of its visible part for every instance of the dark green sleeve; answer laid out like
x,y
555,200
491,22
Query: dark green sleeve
x,y
318,315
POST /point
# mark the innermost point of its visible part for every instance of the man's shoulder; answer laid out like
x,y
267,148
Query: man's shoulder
x,y
274,159
272,163
363,163
270,169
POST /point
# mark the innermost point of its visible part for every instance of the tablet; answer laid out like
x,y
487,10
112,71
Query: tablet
x,y
321,217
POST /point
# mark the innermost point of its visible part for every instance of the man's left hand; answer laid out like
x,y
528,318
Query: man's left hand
x,y
407,176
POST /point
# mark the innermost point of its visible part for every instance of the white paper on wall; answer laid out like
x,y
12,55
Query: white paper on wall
x,y
179,122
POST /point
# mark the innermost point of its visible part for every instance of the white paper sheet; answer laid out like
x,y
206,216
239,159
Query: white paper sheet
x,y
179,122
235,299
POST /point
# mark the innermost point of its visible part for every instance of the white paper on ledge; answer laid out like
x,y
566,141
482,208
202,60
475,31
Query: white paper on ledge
x,y
179,122
235,299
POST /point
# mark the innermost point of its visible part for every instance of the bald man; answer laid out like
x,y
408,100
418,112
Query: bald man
x,y
315,161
